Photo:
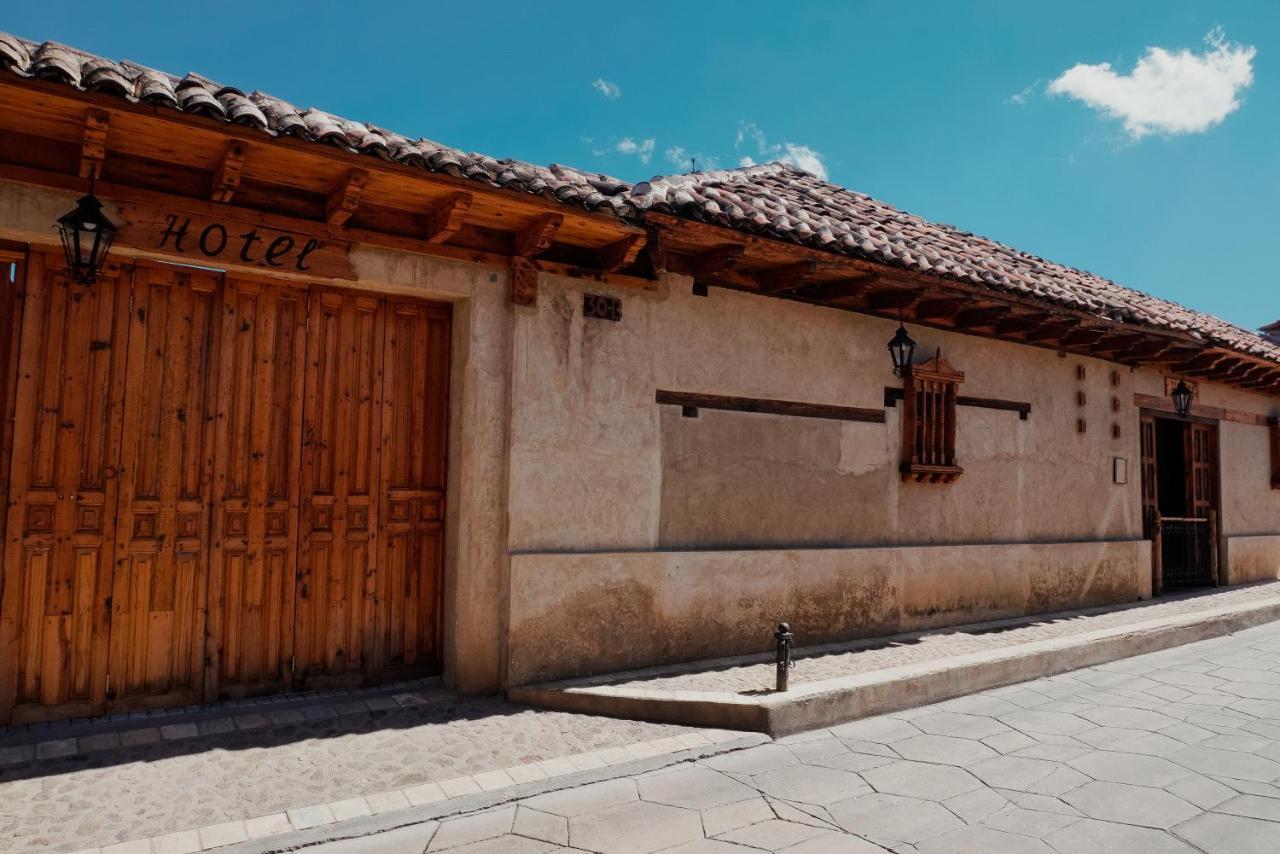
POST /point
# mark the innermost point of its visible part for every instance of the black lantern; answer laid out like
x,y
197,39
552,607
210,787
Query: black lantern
x,y
1181,395
902,350
86,237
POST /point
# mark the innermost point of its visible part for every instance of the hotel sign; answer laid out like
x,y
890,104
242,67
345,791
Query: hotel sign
x,y
228,242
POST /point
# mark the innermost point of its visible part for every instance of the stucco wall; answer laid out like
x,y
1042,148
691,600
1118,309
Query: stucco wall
x,y
596,464
573,614
1254,558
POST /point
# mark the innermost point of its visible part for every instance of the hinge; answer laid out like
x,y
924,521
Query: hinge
x,y
293,663
108,688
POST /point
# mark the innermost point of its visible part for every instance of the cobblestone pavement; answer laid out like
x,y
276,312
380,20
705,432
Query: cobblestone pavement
x,y
815,664
127,793
1176,751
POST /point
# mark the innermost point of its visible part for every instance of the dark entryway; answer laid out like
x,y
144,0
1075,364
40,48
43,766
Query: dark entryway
x,y
1180,500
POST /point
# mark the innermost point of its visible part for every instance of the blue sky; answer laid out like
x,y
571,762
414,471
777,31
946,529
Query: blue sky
x,y
1160,172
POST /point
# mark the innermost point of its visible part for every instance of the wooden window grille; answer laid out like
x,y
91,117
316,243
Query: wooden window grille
x,y
1273,425
929,422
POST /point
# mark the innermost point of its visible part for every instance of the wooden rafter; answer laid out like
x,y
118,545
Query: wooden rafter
x,y
853,286
936,309
536,238
445,220
621,253
716,260
1020,324
1082,337
788,277
898,299
345,198
226,175
978,318
93,146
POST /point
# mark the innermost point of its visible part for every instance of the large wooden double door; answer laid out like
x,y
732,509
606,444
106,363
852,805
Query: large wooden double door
x,y
218,487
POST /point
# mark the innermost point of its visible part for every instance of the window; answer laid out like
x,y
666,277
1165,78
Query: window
x,y
929,422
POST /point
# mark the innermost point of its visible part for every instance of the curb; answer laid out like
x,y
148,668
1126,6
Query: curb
x,y
369,825
834,701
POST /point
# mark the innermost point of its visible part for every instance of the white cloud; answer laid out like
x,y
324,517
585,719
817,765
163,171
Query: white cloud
x,y
800,156
611,91
1167,92
687,161
642,149
1020,98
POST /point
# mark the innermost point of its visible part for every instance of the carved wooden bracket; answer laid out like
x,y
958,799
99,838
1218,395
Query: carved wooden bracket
x,y
345,198
93,148
524,281
787,277
537,238
445,221
226,177
620,253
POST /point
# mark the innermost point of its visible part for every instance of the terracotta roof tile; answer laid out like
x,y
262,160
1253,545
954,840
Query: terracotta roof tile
x,y
199,95
774,200
786,203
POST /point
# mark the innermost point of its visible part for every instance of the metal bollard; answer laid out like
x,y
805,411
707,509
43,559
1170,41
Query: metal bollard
x,y
785,642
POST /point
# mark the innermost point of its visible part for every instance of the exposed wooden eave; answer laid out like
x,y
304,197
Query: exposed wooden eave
x,y
199,158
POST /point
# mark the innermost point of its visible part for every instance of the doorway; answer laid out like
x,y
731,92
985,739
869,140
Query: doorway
x,y
1180,500
220,486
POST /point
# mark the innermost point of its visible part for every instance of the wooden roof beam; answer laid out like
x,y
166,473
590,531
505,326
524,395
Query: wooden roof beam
x,y
978,318
788,277
445,219
537,236
936,309
899,299
344,200
93,146
1082,337
226,175
1021,324
621,253
1200,362
717,260
853,286
1266,380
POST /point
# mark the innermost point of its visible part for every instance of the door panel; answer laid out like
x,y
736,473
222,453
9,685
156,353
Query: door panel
x,y
158,601
415,422
255,485
341,427
58,558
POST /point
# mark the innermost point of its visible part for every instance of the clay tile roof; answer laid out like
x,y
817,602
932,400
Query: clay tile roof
x,y
780,201
775,200
199,95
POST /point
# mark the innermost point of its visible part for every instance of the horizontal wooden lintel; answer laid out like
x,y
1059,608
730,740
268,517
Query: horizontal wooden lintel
x,y
769,406
893,395
1164,405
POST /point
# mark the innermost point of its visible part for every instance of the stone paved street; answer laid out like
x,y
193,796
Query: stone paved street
x,y
144,790
1176,751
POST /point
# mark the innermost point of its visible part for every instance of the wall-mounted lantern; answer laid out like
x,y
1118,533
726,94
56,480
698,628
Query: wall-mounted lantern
x,y
1181,396
86,237
901,350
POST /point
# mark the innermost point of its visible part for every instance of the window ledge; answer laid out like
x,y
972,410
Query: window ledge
x,y
933,474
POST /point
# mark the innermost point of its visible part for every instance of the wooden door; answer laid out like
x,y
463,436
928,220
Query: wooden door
x,y
261,334
414,426
158,598
1150,495
62,498
337,572
1202,469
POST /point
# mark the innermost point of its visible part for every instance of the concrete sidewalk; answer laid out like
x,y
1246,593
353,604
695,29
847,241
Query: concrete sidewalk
x,y
842,682
1174,752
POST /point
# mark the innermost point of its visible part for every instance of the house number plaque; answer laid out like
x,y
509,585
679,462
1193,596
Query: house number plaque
x,y
227,242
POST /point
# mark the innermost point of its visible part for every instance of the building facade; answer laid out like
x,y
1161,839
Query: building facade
x,y
343,407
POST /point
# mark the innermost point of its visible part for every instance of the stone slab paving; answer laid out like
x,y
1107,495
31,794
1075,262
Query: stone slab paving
x,y
1176,751
755,674
199,786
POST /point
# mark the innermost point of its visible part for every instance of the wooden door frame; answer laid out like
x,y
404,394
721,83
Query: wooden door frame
x,y
1218,576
